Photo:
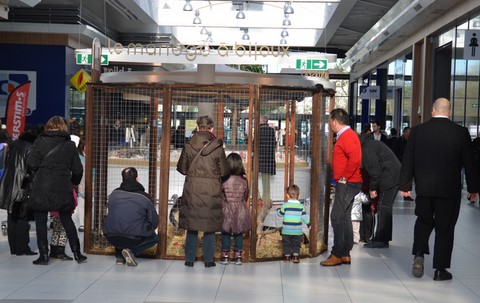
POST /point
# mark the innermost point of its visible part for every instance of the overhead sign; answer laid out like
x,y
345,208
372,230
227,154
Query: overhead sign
x,y
370,92
471,49
86,59
312,64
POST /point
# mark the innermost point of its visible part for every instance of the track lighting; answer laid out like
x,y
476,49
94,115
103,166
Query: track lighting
x,y
245,34
187,7
288,9
284,33
286,21
197,19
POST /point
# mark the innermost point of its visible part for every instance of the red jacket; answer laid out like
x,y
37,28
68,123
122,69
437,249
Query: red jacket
x,y
347,157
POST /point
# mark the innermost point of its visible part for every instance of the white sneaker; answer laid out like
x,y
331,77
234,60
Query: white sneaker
x,y
129,257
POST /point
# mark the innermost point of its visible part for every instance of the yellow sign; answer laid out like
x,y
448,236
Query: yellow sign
x,y
80,80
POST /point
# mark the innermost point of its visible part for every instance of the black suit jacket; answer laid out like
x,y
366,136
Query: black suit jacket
x,y
434,156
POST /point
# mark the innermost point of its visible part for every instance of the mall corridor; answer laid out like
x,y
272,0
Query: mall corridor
x,y
375,275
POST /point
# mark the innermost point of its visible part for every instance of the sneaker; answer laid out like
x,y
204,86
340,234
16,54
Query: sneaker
x,y
236,261
224,260
129,257
120,261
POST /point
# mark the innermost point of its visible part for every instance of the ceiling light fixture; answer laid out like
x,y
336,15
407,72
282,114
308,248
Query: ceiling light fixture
x,y
187,7
204,31
283,41
284,33
245,34
197,19
240,13
288,9
209,39
286,21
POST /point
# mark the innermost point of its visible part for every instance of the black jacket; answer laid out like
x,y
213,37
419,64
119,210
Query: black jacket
x,y
380,164
15,171
54,175
435,154
131,212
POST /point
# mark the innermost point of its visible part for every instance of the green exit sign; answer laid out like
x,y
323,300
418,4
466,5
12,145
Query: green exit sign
x,y
312,64
86,59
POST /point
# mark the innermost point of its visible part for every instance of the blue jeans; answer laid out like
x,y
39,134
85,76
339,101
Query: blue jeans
x,y
237,244
191,244
137,246
341,218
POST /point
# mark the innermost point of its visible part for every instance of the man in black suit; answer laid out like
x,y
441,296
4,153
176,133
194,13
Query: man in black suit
x,y
435,154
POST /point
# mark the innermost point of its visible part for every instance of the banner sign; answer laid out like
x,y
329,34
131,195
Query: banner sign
x,y
17,110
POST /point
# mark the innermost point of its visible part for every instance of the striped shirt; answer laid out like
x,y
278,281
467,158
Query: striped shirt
x,y
294,215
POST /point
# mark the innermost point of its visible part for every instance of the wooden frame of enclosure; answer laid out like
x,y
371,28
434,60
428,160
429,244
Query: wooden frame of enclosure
x,y
96,172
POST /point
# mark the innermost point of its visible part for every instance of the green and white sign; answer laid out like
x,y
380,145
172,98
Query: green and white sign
x,y
311,64
86,59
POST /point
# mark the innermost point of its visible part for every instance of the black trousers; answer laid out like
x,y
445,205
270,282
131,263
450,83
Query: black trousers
x,y
383,232
41,226
291,244
440,214
18,235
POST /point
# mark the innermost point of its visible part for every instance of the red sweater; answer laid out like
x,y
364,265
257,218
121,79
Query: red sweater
x,y
347,157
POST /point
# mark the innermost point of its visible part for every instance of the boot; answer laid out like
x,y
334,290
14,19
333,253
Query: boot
x,y
224,258
237,258
61,254
75,246
43,258
53,251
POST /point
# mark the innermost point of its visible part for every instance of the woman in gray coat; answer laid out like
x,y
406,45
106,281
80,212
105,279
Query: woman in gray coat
x,y
204,163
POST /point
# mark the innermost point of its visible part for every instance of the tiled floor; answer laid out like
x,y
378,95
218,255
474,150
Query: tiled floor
x,y
375,275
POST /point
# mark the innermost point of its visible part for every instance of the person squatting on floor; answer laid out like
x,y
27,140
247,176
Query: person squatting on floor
x,y
131,219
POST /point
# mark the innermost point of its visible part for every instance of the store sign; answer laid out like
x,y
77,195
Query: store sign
x,y
471,48
370,92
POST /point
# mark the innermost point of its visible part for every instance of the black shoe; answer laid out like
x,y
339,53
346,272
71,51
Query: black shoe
x,y
81,228
188,264
442,275
408,199
376,244
210,264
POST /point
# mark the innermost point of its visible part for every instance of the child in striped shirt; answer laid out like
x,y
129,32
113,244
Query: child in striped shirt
x,y
294,215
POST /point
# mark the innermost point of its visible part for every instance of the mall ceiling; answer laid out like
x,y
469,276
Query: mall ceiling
x,y
332,26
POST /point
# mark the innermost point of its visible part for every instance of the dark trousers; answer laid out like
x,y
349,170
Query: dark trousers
x,y
291,244
440,214
383,232
341,218
41,218
137,245
191,244
367,224
18,235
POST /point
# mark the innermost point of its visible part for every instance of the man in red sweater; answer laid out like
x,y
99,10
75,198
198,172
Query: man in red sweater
x,y
346,163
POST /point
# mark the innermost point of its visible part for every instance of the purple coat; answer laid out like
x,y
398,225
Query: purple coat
x,y
236,215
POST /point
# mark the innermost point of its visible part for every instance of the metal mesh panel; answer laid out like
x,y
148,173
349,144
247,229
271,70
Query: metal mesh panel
x,y
146,126
121,128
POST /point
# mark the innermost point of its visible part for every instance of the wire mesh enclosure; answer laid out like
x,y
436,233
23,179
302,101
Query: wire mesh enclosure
x,y
280,133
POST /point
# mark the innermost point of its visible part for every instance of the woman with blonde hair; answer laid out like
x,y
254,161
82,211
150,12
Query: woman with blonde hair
x,y
54,165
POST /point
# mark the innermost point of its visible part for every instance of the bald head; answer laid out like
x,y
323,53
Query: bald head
x,y
441,107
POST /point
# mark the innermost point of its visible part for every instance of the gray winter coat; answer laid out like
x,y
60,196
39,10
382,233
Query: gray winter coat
x,y
201,208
